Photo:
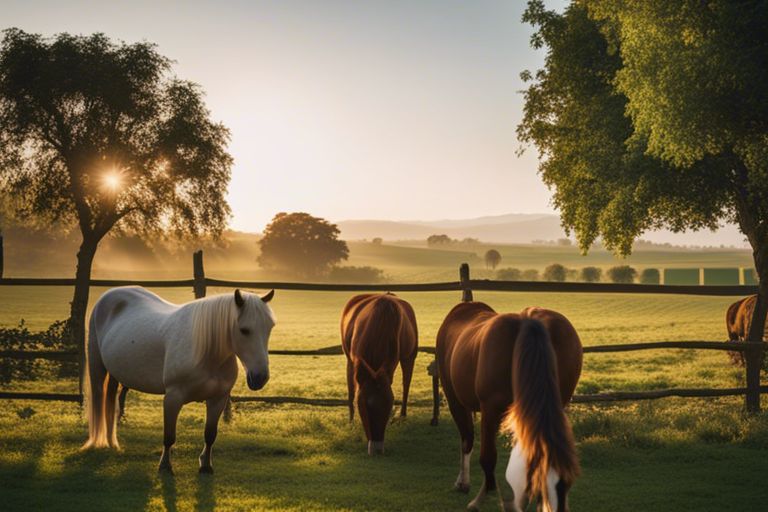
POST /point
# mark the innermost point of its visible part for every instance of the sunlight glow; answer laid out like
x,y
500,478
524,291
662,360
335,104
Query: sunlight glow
x,y
112,180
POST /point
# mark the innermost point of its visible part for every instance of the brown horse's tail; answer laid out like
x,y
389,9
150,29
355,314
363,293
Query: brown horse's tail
x,y
102,429
537,417
731,317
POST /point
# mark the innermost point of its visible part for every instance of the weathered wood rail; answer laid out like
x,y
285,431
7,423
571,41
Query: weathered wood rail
x,y
753,350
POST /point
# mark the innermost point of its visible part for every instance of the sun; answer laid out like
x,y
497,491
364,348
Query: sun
x,y
112,180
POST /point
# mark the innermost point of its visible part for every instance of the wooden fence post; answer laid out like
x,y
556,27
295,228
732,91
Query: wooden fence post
x,y
466,291
199,274
754,355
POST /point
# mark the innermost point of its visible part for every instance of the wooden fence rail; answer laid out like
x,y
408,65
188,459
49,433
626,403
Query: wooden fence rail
x,y
753,350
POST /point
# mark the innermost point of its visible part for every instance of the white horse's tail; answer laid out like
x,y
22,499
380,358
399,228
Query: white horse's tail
x,y
102,392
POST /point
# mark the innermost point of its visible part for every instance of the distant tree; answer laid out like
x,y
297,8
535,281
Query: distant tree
x,y
470,241
100,135
352,274
650,276
652,114
530,274
439,240
302,244
509,274
492,259
377,241
564,242
622,274
555,272
591,274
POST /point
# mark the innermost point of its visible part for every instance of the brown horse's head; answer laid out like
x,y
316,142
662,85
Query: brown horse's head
x,y
374,403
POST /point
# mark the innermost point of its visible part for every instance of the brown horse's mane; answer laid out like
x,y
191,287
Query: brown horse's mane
x,y
537,418
380,323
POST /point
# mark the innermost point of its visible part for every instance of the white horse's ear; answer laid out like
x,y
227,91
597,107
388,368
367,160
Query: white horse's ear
x,y
268,296
239,301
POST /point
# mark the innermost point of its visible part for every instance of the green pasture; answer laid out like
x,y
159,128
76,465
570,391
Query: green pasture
x,y
671,454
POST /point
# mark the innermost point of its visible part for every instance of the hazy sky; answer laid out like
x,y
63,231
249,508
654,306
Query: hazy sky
x,y
345,109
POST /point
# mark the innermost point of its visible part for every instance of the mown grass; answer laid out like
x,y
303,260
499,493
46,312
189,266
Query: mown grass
x,y
671,454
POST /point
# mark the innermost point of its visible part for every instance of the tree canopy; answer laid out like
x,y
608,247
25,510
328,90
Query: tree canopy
x,y
492,258
653,114
100,133
300,243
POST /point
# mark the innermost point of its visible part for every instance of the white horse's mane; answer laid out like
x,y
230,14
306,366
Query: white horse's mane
x,y
214,319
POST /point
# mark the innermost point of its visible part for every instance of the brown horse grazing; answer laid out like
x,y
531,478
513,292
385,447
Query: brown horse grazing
x,y
738,319
485,359
377,331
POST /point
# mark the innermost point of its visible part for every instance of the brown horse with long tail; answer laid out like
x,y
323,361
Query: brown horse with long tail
x,y
519,369
377,332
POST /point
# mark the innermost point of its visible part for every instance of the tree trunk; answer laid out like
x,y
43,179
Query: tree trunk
x,y
79,304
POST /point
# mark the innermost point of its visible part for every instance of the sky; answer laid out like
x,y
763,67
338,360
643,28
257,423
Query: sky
x,y
346,109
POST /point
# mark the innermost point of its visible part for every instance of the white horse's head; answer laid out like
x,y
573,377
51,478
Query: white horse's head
x,y
556,497
250,339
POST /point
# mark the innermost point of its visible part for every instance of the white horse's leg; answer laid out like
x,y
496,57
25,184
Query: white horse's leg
x,y
172,403
213,409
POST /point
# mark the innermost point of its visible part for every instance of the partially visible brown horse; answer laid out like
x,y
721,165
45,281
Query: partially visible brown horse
x,y
738,319
485,359
377,332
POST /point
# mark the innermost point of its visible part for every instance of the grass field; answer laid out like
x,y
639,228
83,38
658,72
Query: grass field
x,y
663,455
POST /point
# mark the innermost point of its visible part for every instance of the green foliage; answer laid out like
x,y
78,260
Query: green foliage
x,y
646,115
76,109
492,259
433,240
650,276
622,274
55,337
530,274
555,272
300,243
352,274
750,277
509,274
591,274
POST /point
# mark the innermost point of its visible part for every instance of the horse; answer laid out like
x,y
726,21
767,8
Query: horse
x,y
738,319
377,331
484,360
185,352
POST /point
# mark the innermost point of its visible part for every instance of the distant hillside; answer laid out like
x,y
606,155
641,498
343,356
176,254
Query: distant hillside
x,y
515,229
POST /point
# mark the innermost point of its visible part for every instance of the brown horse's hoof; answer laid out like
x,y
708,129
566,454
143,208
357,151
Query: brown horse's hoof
x,y
165,469
462,488
206,470
433,422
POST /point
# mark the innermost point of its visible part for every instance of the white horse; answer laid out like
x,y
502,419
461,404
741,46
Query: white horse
x,y
185,352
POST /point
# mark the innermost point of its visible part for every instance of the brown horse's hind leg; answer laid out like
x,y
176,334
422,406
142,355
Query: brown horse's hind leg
x,y
213,409
491,418
463,419
172,403
407,367
351,389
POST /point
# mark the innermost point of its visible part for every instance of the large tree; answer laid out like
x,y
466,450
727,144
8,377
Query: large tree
x,y
100,135
653,114
301,244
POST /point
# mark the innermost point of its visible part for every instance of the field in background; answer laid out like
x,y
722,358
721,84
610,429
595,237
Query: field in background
x,y
664,455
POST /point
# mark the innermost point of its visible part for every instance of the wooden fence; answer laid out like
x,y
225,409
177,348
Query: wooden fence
x,y
753,350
